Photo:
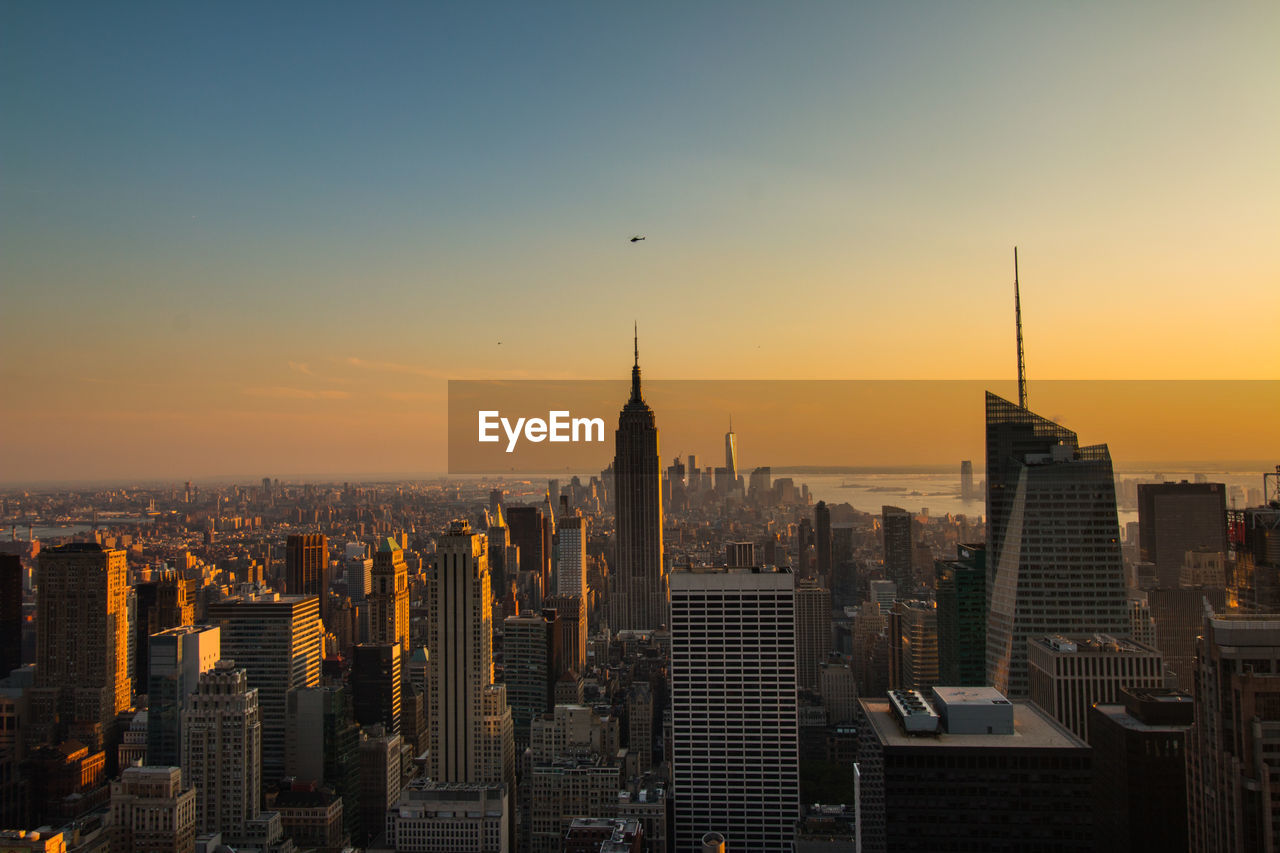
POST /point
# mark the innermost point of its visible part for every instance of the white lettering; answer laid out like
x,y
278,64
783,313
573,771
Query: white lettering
x,y
488,421
535,430
587,424
513,435
559,426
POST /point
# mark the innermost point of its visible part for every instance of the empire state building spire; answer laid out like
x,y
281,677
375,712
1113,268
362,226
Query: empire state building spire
x,y
636,397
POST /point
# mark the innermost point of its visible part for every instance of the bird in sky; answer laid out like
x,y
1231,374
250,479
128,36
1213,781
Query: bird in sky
x,y
636,239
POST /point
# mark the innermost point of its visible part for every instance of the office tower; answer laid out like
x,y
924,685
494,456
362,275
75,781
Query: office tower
x,y
1140,763
527,528
1255,549
499,543
1231,747
965,769
966,481
389,597
275,639
960,586
638,587
640,724
358,570
917,639
571,617
177,659
1056,541
306,560
222,750
883,593
1179,617
761,486
82,644
151,812
380,778
10,613
731,455
1174,518
813,631
822,541
1068,674
839,693
532,661
470,723
739,555
733,707
322,744
571,576
375,685
898,539
451,817
675,495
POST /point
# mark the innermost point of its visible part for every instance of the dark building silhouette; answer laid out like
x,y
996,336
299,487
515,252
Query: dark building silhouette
x,y
527,529
1174,518
306,563
1140,755
10,613
822,541
962,616
638,584
375,685
897,523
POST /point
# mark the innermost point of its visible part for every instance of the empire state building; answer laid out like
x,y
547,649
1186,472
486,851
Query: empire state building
x,y
638,584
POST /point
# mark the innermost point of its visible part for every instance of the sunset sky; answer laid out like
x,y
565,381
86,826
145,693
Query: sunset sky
x,y
257,239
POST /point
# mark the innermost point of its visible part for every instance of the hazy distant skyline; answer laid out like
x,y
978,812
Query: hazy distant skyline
x,y
238,237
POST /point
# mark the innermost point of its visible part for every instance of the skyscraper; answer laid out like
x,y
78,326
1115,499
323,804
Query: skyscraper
x,y
178,657
966,480
1174,518
638,586
275,639
1231,769
1054,537
532,659
470,723
527,529
962,617
813,631
898,541
822,541
306,560
731,455
82,646
389,597
222,750
152,812
733,707
571,574
10,613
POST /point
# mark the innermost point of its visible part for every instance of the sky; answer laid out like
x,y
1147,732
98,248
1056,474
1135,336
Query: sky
x,y
259,238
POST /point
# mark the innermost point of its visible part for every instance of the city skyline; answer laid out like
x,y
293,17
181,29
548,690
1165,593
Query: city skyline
x,y
223,218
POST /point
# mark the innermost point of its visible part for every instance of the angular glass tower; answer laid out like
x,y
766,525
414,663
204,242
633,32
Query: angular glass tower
x,y
1053,542
638,584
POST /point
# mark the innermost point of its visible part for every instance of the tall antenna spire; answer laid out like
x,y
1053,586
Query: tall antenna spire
x,y
637,341
1017,312
635,370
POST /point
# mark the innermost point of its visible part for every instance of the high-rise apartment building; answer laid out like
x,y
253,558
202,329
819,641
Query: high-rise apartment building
x,y
275,639
388,598
733,706
1068,675
82,646
1056,541
813,631
1174,518
960,586
638,584
469,721
1232,746
152,812
222,750
178,657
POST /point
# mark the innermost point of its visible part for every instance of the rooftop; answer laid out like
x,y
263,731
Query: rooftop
x,y
1031,730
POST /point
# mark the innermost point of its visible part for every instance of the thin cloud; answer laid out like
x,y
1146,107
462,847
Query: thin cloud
x,y
393,367
301,367
285,393
412,396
